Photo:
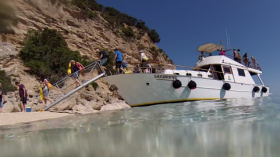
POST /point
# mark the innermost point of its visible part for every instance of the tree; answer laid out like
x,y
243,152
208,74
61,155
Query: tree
x,y
47,54
154,36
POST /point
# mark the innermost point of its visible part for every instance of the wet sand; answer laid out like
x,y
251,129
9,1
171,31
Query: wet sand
x,y
19,117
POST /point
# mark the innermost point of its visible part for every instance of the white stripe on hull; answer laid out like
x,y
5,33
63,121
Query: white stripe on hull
x,y
134,89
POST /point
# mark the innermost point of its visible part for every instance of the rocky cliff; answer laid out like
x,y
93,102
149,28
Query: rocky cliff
x,y
81,34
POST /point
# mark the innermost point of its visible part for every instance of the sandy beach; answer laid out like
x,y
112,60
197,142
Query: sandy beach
x,y
19,117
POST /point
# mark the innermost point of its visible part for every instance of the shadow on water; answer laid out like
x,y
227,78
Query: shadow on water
x,y
236,127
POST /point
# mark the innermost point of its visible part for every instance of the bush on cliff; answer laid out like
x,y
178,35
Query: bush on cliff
x,y
7,85
47,55
114,17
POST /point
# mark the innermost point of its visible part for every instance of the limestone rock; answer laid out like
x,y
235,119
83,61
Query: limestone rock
x,y
113,88
96,105
65,104
88,95
10,107
37,106
82,108
115,106
113,100
90,88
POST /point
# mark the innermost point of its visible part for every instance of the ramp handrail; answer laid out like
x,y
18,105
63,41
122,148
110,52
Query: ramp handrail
x,y
73,91
68,76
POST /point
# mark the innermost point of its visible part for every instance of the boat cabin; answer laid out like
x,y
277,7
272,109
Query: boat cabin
x,y
220,67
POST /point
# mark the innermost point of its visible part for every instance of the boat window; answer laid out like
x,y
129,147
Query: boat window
x,y
241,72
199,75
177,73
227,70
188,74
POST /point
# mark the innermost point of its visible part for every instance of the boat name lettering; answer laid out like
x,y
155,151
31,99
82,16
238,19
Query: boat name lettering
x,y
164,76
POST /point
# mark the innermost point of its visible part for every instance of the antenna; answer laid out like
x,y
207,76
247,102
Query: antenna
x,y
227,37
229,41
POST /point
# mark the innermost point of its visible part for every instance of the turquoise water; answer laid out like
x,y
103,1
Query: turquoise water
x,y
233,128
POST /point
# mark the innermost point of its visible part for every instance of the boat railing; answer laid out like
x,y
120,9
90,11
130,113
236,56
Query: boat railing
x,y
160,68
250,63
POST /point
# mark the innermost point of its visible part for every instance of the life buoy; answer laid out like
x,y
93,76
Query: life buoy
x,y
192,85
256,89
69,69
264,89
177,84
226,86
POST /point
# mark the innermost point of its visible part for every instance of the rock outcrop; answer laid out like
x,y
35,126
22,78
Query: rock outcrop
x,y
80,33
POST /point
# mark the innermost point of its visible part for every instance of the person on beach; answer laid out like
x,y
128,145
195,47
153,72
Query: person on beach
x,y
45,90
23,96
75,67
118,58
2,99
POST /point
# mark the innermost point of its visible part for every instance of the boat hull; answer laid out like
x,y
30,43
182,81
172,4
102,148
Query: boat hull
x,y
149,89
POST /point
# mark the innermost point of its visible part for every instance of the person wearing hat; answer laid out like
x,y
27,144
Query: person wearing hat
x,y
144,60
118,58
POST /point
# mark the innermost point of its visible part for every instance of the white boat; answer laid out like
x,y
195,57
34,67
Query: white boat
x,y
215,77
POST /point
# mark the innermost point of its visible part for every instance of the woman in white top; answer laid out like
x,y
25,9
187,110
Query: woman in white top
x,y
144,60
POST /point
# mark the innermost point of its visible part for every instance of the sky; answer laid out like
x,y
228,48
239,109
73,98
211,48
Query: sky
x,y
184,25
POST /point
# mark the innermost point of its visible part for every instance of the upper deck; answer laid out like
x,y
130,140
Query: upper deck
x,y
223,60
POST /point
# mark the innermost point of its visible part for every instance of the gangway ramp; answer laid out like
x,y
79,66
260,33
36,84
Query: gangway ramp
x,y
85,83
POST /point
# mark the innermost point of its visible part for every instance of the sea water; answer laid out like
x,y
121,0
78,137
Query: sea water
x,y
223,128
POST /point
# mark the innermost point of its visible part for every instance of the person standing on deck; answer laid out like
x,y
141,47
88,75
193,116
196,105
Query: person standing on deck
x,y
246,60
254,61
235,55
23,96
223,52
144,59
239,56
118,58
2,99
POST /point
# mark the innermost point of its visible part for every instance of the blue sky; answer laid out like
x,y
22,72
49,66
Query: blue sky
x,y
183,25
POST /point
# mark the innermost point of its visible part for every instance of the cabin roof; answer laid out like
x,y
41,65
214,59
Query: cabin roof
x,y
223,60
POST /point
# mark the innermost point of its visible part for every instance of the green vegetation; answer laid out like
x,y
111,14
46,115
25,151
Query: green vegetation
x,y
128,32
47,55
94,85
7,85
115,18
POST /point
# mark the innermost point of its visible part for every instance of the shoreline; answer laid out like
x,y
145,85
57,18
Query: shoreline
x,y
7,119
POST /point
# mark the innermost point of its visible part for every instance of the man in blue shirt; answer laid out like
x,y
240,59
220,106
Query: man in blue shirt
x,y
118,58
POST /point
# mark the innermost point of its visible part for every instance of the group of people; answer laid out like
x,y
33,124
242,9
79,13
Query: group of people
x,y
121,64
246,60
236,56
74,69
